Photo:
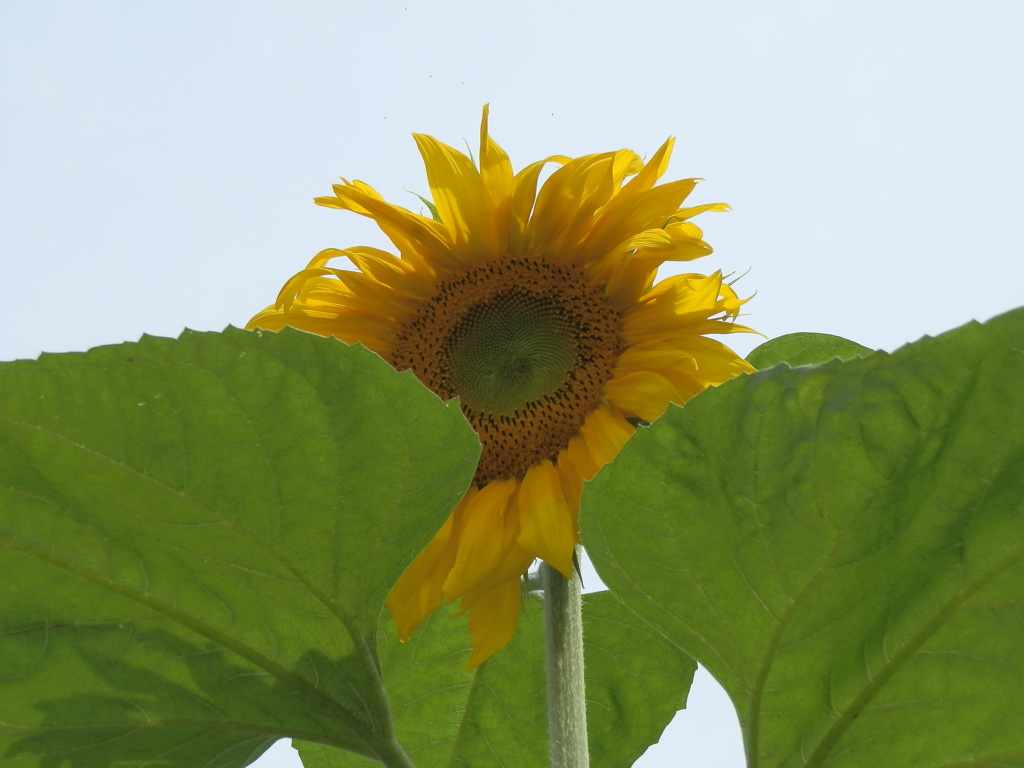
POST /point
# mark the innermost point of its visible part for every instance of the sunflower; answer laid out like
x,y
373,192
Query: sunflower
x,y
539,310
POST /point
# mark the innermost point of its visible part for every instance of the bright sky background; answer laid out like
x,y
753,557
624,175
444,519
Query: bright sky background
x,y
158,160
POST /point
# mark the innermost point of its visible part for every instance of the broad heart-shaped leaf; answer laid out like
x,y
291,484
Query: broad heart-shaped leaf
x,y
496,715
805,349
843,548
196,540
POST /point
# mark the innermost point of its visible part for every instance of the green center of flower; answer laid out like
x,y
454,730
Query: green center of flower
x,y
509,351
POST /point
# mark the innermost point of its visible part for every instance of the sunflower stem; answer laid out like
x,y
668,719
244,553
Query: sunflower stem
x,y
567,705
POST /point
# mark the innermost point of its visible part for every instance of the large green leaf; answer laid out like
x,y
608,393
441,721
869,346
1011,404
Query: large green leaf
x,y
496,716
196,539
843,547
805,349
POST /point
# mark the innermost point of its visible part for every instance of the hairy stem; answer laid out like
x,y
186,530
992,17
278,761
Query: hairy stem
x,y
567,704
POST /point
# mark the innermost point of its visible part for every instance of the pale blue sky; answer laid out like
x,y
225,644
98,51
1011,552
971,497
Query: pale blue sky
x,y
158,160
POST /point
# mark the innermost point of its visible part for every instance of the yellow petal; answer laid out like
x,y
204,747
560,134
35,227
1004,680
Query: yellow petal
x,y
514,563
653,356
605,432
413,235
652,171
716,363
492,621
524,196
484,538
567,202
620,219
418,593
391,271
462,200
496,174
628,281
546,518
578,454
688,213
676,242
645,394
670,307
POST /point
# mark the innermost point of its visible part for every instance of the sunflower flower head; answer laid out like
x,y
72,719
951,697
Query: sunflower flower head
x,y
535,304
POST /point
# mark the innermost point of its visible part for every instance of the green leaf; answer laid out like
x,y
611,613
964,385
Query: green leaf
x,y
805,349
636,681
197,537
843,547
496,715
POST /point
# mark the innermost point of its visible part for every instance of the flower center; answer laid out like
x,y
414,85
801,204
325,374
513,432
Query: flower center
x,y
510,351
526,345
